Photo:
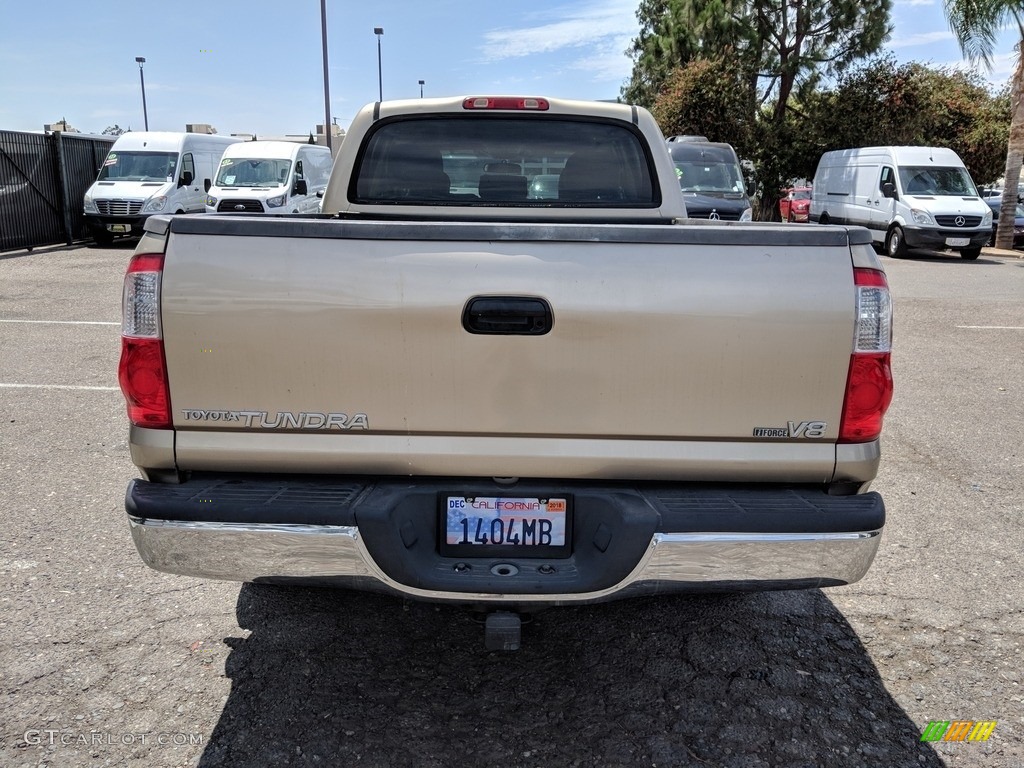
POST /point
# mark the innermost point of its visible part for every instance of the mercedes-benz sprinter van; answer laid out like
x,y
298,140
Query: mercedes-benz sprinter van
x,y
270,177
909,197
710,178
148,172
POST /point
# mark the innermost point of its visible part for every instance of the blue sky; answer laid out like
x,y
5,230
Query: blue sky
x,y
256,66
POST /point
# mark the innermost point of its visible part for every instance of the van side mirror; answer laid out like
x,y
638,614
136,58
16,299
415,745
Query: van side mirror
x,y
320,194
889,190
301,188
207,184
185,179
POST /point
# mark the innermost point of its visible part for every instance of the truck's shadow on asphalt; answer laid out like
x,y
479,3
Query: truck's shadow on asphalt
x,y
335,678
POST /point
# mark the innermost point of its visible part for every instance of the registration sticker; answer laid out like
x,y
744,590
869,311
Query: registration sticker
x,y
530,526
958,242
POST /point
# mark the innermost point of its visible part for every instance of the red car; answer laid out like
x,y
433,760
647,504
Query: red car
x,y
795,204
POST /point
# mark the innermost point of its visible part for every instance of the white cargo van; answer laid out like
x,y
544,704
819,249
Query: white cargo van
x,y
909,197
148,172
270,177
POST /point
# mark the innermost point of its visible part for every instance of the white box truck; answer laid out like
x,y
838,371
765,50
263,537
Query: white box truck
x,y
270,177
908,197
149,172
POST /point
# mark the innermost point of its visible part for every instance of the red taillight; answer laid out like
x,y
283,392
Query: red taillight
x,y
872,277
869,383
504,102
142,371
868,394
143,377
146,262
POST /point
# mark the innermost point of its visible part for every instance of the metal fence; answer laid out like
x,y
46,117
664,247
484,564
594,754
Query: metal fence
x,y
43,178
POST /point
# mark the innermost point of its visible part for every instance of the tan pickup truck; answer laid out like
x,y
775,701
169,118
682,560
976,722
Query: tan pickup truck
x,y
502,369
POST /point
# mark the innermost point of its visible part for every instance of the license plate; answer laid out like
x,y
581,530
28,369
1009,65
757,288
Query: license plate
x,y
958,242
122,228
528,526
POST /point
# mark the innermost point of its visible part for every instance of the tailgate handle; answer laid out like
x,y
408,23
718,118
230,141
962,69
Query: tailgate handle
x,y
507,316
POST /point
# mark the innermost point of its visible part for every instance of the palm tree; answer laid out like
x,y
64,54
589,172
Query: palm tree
x,y
976,24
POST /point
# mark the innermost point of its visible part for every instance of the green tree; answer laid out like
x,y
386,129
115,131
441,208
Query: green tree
x,y
960,111
653,54
883,103
706,98
983,147
976,24
675,32
779,43
781,49
878,103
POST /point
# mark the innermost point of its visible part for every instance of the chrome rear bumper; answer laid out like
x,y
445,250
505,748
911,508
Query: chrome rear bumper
x,y
336,555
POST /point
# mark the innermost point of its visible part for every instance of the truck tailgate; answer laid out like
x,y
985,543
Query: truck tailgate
x,y
669,348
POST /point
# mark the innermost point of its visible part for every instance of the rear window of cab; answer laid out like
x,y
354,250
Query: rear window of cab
x,y
506,161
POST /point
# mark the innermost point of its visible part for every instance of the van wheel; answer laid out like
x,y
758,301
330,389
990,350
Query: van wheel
x,y
894,246
970,254
824,219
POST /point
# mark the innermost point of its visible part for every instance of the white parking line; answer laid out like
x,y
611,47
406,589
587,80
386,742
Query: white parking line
x,y
59,386
77,387
994,327
60,322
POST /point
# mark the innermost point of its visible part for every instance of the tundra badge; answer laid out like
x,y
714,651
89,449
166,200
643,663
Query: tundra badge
x,y
281,419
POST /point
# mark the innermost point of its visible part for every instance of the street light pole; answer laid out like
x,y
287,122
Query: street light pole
x,y
327,87
421,87
379,31
145,115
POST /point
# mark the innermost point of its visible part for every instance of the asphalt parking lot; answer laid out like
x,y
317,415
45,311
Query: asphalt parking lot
x,y
105,662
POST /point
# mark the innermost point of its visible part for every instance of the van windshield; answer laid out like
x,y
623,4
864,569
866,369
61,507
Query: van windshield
x,y
253,172
707,169
928,180
139,166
